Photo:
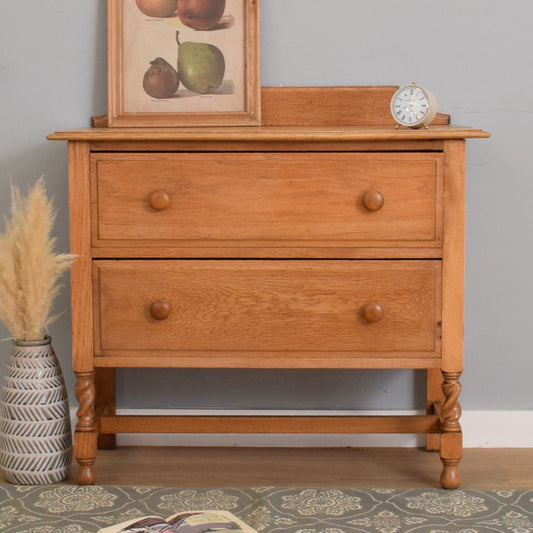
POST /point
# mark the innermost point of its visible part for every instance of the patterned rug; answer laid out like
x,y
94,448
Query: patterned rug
x,y
75,509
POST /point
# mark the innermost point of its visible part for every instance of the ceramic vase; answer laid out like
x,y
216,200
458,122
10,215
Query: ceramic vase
x,y
35,433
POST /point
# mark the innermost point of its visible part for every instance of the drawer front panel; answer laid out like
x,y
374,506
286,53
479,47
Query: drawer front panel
x,y
385,308
276,199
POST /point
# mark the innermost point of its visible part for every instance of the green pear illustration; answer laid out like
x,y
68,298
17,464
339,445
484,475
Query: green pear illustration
x,y
201,66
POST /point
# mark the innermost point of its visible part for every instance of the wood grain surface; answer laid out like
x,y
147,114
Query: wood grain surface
x,y
242,307
483,468
269,199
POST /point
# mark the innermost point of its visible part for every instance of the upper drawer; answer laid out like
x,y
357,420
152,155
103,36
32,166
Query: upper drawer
x,y
267,200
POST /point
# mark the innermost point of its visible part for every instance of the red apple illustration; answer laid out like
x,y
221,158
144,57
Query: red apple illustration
x,y
201,14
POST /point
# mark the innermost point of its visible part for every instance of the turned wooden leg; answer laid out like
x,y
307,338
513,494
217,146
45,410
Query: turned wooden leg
x,y
105,404
85,434
434,400
451,438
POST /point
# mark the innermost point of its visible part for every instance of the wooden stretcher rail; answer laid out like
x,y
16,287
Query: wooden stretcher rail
x,y
290,424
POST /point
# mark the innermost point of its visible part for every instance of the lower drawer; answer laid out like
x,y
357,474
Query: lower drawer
x,y
249,308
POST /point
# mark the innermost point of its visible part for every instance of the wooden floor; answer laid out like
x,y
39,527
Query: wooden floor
x,y
507,468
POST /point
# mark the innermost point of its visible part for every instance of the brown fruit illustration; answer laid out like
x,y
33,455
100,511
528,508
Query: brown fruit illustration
x,y
157,8
201,14
161,80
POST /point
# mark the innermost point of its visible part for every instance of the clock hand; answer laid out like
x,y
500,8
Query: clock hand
x,y
412,111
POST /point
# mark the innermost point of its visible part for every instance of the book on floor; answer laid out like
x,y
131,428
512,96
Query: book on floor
x,y
184,522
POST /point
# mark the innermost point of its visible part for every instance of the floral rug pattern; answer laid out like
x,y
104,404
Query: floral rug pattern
x,y
77,509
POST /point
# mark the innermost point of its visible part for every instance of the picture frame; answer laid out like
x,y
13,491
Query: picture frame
x,y
219,83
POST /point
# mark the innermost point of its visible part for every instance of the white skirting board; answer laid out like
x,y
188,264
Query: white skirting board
x,y
481,429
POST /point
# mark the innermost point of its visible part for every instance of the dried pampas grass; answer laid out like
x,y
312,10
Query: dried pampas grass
x,y
29,267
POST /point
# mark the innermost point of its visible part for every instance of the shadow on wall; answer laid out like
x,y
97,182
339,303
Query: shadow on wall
x,y
271,389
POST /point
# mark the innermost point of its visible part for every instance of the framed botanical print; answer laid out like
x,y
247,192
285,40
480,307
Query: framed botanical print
x,y
178,63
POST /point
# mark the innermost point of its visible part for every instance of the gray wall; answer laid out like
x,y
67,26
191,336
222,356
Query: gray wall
x,y
473,54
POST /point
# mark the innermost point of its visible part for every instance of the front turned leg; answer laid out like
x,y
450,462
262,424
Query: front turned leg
x,y
451,439
85,434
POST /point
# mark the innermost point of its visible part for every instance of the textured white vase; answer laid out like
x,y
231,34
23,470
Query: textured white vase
x,y
35,434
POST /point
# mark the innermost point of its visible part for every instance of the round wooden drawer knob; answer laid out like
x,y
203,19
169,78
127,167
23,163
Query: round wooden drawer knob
x,y
160,310
159,200
373,312
373,200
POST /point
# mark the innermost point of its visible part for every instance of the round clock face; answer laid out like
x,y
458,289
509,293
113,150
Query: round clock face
x,y
412,106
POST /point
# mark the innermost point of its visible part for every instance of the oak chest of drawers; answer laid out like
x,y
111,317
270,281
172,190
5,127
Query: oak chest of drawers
x,y
319,240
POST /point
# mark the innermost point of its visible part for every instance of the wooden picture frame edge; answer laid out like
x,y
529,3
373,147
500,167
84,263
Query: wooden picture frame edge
x,y
114,60
250,116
